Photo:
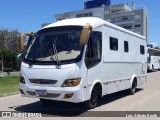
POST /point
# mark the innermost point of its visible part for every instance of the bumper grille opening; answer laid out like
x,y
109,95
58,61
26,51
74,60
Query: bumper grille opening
x,y
21,91
50,95
43,81
31,93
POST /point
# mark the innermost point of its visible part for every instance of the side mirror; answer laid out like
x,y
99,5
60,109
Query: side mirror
x,y
85,34
22,38
19,58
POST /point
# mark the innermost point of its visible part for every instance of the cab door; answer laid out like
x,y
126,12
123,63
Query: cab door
x,y
93,58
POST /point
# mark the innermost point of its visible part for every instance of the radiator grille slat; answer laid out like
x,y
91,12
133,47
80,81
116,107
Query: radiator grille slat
x,y
43,81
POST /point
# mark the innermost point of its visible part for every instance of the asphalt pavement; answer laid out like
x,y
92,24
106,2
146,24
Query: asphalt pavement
x,y
146,98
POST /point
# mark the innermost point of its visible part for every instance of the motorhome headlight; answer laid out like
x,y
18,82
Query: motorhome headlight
x,y
71,83
22,80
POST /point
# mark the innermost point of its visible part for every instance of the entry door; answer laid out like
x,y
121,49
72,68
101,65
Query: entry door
x,y
93,56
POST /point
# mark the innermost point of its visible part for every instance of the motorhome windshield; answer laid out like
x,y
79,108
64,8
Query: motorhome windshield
x,y
56,45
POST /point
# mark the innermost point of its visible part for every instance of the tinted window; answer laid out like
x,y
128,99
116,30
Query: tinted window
x,y
113,44
54,45
126,48
142,50
137,25
154,52
94,49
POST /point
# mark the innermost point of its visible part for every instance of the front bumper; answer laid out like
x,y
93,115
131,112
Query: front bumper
x,y
53,93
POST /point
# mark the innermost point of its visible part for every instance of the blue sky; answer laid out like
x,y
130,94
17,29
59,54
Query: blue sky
x,y
28,15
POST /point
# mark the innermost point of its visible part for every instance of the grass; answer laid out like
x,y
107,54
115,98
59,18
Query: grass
x,y
9,86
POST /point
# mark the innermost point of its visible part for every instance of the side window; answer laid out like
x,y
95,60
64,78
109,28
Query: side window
x,y
142,49
94,49
126,47
113,44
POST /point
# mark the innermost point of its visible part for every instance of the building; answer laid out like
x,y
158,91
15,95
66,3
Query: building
x,y
127,16
44,24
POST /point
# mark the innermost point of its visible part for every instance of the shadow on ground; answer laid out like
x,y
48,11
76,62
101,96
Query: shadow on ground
x,y
64,109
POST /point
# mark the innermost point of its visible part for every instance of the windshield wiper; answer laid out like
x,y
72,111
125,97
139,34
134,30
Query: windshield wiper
x,y
55,52
56,56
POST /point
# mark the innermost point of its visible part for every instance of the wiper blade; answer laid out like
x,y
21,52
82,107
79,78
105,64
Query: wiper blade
x,y
56,56
55,53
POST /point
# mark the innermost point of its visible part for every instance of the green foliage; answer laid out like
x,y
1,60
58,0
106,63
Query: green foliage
x,y
9,59
8,49
9,39
8,86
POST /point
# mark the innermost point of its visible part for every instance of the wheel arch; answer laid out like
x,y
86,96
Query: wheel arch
x,y
134,77
97,84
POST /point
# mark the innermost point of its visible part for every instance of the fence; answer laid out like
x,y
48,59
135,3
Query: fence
x,y
5,74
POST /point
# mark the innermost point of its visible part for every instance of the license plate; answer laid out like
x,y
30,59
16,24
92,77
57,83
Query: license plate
x,y
41,92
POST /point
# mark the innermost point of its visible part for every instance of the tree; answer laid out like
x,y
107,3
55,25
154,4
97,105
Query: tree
x,y
9,39
8,49
8,60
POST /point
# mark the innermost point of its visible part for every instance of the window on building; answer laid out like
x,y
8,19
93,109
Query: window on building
x,y
125,18
137,25
126,47
84,15
79,15
128,27
90,14
94,49
115,20
142,49
137,16
113,44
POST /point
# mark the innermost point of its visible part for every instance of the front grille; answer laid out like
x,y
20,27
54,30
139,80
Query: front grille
x,y
22,92
31,93
50,95
43,81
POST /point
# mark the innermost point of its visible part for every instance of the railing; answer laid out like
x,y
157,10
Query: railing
x,y
122,21
5,74
131,11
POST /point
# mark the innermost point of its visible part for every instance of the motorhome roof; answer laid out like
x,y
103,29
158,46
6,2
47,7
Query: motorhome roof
x,y
93,21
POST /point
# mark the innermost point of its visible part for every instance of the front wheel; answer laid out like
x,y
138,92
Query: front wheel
x,y
92,103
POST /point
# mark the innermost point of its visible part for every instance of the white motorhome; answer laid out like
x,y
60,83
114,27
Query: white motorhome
x,y
153,59
82,59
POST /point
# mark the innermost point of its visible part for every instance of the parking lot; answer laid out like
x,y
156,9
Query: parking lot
x,y
146,98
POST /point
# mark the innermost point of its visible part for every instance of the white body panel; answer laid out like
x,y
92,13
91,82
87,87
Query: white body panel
x,y
153,60
115,72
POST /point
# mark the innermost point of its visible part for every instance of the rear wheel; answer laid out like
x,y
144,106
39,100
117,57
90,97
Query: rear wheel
x,y
92,103
152,68
132,90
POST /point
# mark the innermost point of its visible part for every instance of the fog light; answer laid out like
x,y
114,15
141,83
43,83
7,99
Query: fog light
x,y
22,80
22,92
66,96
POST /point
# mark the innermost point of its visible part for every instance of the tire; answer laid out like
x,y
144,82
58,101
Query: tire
x,y
152,68
92,103
132,90
45,101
